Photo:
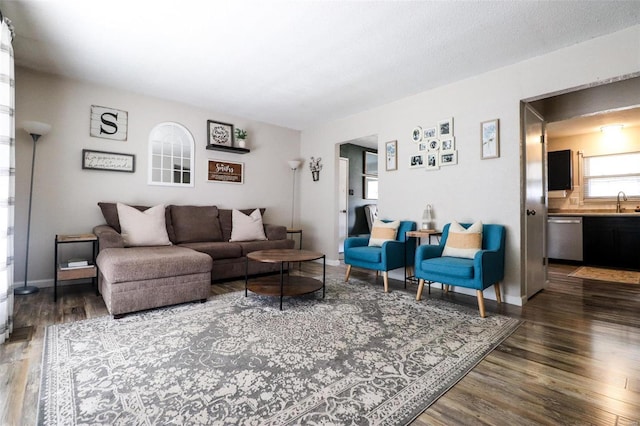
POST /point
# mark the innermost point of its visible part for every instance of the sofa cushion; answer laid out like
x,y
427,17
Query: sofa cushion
x,y
249,246
463,242
217,250
226,222
366,254
147,228
451,266
110,213
383,231
192,224
144,263
247,227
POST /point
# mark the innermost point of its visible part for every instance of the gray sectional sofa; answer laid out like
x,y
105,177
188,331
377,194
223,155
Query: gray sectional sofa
x,y
137,278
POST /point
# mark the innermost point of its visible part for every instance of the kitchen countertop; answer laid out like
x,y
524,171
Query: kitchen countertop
x,y
593,212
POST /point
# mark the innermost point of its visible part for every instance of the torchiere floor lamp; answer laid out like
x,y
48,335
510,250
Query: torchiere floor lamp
x,y
35,129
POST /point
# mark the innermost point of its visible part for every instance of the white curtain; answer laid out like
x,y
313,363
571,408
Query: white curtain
x,y
7,179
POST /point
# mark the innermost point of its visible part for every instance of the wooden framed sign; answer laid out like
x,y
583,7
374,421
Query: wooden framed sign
x,y
225,171
101,160
109,123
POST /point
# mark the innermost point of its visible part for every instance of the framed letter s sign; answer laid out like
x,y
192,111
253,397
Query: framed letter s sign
x,y
108,123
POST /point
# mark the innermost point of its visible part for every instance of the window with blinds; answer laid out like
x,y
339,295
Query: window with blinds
x,y
606,175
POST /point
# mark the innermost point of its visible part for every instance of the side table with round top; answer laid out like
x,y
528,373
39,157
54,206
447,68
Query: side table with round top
x,y
285,284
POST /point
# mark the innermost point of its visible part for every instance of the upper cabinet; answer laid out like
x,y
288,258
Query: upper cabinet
x,y
560,170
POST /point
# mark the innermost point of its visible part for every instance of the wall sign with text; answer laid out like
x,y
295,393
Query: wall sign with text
x,y
225,171
109,123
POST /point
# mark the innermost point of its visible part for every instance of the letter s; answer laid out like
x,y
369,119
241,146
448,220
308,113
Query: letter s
x,y
109,123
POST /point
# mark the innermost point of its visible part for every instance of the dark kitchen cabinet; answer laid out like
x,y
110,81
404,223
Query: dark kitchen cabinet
x,y
612,241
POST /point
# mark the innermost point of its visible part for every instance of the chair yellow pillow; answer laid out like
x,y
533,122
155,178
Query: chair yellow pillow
x,y
463,242
383,231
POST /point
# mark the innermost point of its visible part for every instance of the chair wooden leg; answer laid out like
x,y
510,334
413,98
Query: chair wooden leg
x,y
496,287
420,288
480,302
377,274
446,288
385,277
346,278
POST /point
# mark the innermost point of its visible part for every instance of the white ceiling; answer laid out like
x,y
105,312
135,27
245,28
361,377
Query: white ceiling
x,y
296,63
628,117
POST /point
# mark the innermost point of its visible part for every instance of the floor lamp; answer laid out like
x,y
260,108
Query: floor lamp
x,y
35,129
294,164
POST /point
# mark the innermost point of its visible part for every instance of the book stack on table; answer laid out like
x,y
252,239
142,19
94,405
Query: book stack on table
x,y
75,264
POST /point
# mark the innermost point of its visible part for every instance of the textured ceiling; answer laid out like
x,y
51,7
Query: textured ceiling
x,y
296,63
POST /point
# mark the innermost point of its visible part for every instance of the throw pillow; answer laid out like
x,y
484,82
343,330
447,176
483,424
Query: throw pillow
x,y
110,213
383,231
147,228
463,242
247,228
194,224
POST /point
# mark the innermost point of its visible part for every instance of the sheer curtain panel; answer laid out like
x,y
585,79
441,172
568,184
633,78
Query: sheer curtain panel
x,y
7,179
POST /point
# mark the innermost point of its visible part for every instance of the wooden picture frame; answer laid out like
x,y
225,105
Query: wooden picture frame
x,y
219,134
222,171
391,155
370,163
490,139
110,161
370,187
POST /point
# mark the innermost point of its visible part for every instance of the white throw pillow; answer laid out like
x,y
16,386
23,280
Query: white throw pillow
x,y
246,228
383,231
147,228
463,242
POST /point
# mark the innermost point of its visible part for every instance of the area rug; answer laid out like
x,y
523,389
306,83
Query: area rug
x,y
358,356
603,274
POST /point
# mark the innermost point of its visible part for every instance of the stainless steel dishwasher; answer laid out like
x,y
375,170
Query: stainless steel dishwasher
x,y
564,238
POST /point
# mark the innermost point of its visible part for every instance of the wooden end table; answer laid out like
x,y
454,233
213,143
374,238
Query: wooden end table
x,y
89,271
418,235
285,284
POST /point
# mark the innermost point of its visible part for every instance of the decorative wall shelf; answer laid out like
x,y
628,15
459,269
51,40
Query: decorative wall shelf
x,y
235,150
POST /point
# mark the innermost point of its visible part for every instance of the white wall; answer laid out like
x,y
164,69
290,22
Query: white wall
x,y
475,189
65,196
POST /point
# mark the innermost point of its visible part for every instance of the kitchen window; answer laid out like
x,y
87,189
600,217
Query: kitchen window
x,y
606,175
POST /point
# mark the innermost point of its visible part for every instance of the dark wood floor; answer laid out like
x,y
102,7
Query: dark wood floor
x,y
575,360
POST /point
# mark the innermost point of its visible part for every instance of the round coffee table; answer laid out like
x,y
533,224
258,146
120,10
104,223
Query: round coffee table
x,y
285,284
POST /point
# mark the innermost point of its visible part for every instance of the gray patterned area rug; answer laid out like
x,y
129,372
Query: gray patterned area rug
x,y
357,357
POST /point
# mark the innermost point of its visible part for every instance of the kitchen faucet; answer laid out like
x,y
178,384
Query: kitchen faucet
x,y
624,198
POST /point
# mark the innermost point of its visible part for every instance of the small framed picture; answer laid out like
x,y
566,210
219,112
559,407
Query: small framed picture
x,y
225,172
370,186
391,155
433,144
490,139
416,161
219,133
430,133
432,160
445,128
448,144
422,146
416,135
448,158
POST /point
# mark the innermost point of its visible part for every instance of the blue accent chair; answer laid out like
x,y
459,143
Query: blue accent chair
x,y
484,270
391,255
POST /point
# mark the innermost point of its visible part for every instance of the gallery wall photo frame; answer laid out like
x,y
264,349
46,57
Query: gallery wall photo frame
x,y
448,144
225,171
445,128
110,161
417,160
448,158
391,155
432,160
490,139
219,133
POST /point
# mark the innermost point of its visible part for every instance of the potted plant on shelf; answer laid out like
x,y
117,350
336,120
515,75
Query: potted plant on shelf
x,y
241,137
